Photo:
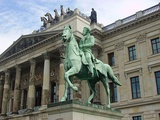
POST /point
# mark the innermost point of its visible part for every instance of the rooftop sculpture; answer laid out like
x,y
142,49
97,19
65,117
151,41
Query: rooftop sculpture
x,y
52,20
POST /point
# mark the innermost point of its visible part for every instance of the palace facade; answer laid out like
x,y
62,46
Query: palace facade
x,y
31,69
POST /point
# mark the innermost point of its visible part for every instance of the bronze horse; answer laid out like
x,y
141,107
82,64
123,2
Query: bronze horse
x,y
74,66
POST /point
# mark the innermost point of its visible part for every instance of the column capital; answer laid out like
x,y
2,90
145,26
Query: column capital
x,y
18,67
6,71
46,55
2,80
32,61
2,77
62,53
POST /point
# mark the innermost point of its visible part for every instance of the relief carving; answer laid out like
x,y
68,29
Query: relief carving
x,y
38,77
141,38
119,45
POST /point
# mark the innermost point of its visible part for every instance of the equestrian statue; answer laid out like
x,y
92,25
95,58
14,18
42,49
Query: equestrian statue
x,y
81,63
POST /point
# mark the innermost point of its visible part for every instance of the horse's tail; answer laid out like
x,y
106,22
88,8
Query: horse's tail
x,y
111,75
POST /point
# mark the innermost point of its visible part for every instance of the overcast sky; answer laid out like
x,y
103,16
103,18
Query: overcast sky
x,y
21,17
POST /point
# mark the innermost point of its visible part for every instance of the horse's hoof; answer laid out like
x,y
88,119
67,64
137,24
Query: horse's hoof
x,y
63,99
89,102
108,106
75,88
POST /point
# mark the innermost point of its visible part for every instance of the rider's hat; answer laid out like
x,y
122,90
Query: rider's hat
x,y
88,29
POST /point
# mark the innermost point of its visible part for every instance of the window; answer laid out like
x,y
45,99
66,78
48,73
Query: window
x,y
157,76
132,53
12,84
111,61
25,92
53,92
69,94
137,118
135,87
155,45
113,92
38,96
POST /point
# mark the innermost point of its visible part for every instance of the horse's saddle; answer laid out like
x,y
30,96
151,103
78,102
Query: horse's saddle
x,y
84,61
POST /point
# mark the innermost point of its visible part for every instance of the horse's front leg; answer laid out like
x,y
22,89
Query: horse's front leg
x,y
69,73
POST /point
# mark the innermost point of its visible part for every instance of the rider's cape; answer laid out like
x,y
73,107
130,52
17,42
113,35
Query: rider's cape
x,y
97,64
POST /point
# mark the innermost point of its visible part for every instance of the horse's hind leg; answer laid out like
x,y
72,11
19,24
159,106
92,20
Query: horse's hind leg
x,y
106,86
92,87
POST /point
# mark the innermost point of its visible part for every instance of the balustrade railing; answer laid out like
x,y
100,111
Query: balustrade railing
x,y
133,17
128,19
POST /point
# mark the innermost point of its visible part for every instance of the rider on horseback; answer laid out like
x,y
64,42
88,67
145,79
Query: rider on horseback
x,y
85,45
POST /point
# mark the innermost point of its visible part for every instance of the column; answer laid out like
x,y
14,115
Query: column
x,y
22,97
16,100
46,80
61,74
1,90
31,91
5,92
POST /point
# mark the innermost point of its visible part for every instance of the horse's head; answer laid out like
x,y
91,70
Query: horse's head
x,y
67,33
47,14
61,7
41,18
55,10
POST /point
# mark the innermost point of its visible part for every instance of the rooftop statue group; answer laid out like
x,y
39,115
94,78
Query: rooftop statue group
x,y
66,14
80,62
56,18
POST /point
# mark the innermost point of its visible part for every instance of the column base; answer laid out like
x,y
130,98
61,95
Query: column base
x,y
43,107
29,110
15,112
3,114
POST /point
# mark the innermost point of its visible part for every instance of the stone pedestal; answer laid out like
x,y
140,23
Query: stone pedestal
x,y
76,110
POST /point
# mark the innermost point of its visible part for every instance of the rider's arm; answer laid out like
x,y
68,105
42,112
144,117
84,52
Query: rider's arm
x,y
81,43
90,42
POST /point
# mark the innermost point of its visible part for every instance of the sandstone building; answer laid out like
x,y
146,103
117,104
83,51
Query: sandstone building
x,y
131,46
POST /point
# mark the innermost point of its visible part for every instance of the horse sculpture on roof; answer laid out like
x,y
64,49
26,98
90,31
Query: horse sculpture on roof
x,y
62,10
74,66
45,21
56,15
50,18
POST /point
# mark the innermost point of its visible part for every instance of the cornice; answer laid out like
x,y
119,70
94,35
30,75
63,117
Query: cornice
x,y
97,33
133,24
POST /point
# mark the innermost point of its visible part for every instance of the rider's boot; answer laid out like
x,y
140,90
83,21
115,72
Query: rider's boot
x,y
91,69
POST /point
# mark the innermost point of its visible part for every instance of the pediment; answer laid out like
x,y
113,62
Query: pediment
x,y
26,41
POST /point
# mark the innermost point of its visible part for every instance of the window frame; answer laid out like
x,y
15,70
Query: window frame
x,y
53,92
111,59
138,117
157,77
157,41
113,95
132,53
39,100
136,86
